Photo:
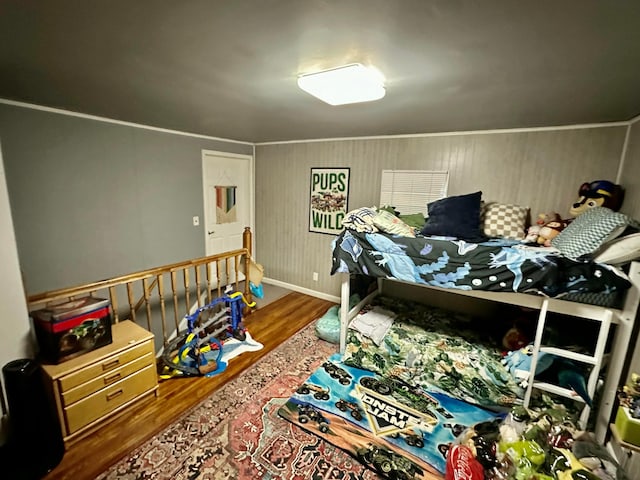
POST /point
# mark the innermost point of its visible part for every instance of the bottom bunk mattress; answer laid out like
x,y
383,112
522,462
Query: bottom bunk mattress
x,y
434,349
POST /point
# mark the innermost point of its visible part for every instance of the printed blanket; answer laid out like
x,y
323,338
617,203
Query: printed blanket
x,y
400,431
494,265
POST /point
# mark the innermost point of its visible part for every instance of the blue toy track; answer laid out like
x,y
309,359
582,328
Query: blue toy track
x,y
198,351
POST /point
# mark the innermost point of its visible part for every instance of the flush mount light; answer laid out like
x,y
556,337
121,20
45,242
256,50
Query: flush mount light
x,y
351,83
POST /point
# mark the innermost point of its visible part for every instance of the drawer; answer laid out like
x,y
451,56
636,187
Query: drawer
x,y
97,369
108,399
78,393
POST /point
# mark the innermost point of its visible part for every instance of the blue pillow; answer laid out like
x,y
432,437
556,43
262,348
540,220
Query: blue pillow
x,y
457,216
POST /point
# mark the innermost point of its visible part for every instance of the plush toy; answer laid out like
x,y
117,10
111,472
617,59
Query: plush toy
x,y
600,193
515,339
533,232
518,362
550,230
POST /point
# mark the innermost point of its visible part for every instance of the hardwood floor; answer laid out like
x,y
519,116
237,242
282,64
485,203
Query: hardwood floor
x,y
270,325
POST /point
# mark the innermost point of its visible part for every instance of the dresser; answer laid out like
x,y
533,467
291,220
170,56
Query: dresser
x,y
91,389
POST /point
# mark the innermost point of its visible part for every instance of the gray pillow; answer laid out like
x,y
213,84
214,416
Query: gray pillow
x,y
590,230
619,251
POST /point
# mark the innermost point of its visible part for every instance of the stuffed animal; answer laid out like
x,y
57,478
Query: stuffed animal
x,y
550,230
518,362
600,193
533,232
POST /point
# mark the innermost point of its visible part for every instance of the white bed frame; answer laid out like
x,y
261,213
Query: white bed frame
x,y
623,318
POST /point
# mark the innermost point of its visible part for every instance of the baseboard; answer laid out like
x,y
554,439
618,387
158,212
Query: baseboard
x,y
306,291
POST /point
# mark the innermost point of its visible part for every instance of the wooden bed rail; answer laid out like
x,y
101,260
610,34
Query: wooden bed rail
x,y
173,290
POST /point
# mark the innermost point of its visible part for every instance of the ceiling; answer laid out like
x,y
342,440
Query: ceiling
x,y
228,68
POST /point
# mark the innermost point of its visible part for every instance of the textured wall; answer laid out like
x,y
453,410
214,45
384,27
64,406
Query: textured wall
x,y
630,177
539,169
92,199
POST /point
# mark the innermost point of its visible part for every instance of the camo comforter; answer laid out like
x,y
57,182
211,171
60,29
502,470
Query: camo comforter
x,y
437,350
494,265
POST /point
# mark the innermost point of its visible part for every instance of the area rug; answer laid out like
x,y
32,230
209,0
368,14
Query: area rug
x,y
237,434
399,430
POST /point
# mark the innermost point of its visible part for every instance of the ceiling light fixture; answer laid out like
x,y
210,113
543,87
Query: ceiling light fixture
x,y
351,83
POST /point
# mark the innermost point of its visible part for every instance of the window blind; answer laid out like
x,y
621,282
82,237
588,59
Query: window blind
x,y
409,191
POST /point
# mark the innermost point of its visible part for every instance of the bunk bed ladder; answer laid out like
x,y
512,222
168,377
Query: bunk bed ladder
x,y
595,361
536,350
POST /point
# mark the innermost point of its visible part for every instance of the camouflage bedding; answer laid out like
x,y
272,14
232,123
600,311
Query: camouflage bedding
x,y
440,350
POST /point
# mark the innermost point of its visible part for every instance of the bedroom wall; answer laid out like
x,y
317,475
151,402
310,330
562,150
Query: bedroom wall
x,y
630,174
93,199
15,336
542,169
630,179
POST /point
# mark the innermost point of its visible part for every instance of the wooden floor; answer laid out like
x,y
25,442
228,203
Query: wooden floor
x,y
270,325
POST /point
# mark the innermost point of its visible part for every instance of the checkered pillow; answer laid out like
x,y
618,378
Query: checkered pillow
x,y
590,230
504,221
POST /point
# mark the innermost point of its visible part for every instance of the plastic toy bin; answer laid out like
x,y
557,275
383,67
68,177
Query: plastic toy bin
x,y
67,330
628,427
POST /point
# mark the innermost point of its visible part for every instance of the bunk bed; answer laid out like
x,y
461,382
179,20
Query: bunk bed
x,y
454,271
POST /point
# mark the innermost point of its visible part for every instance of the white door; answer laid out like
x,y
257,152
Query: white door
x,y
228,200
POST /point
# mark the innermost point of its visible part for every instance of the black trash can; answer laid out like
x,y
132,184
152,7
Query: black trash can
x,y
35,444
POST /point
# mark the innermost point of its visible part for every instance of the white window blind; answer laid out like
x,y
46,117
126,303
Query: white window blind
x,y
409,191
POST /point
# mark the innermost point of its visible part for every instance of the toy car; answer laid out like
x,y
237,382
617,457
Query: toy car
x,y
406,394
320,393
389,463
343,406
308,412
412,438
338,373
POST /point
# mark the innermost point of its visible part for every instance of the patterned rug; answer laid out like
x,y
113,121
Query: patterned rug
x,y
237,434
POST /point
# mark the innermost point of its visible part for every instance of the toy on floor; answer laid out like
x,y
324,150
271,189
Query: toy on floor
x,y
199,350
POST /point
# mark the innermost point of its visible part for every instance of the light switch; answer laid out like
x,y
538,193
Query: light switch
x,y
196,220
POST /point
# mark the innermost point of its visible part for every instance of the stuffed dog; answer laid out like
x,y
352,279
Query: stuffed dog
x,y
600,193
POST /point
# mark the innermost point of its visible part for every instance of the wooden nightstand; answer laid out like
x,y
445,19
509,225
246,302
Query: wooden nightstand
x,y
91,389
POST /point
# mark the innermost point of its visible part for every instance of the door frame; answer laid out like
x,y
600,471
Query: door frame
x,y
252,188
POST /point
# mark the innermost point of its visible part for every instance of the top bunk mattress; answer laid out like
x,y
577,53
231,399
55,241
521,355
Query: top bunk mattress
x,y
495,265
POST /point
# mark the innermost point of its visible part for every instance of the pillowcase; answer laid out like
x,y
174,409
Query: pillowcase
x,y
360,220
504,220
389,223
374,323
590,230
457,216
619,251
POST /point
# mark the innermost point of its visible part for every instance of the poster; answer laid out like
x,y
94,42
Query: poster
x,y
328,201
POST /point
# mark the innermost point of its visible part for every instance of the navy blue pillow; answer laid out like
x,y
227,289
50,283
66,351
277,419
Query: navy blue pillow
x,y
457,216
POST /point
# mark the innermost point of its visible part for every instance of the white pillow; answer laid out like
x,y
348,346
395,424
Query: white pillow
x,y
374,323
619,251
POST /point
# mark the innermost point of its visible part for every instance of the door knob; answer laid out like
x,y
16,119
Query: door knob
x,y
211,232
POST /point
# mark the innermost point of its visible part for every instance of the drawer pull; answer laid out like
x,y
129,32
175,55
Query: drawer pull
x,y
113,395
113,363
112,378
